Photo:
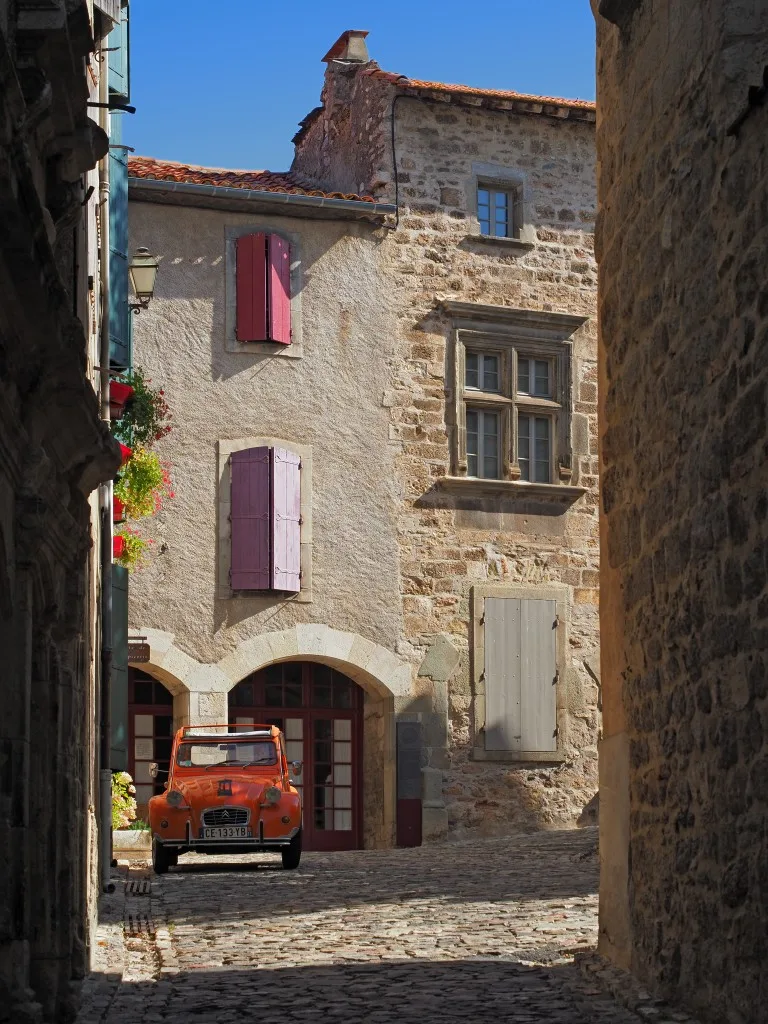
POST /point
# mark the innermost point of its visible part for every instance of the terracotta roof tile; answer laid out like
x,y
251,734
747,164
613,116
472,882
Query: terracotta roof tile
x,y
469,90
260,181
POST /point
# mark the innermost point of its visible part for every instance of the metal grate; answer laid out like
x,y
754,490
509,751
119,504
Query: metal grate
x,y
138,926
218,817
138,887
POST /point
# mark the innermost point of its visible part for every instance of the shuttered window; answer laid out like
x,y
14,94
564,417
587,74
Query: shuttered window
x,y
520,675
263,283
266,520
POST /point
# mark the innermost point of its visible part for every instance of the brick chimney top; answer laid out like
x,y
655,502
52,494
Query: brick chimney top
x,y
350,46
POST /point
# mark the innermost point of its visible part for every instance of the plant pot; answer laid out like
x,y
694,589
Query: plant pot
x,y
125,451
118,546
119,394
118,511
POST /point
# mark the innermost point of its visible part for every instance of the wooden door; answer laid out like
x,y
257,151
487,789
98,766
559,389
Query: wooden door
x,y
319,712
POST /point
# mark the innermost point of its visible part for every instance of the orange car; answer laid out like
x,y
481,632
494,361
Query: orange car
x,y
227,792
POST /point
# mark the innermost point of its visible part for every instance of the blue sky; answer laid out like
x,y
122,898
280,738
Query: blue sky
x,y
224,82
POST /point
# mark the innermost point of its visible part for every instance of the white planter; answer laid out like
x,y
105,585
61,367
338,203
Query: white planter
x,y
131,840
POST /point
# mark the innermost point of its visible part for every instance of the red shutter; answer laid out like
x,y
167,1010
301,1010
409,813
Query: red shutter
x,y
250,515
286,521
251,284
279,289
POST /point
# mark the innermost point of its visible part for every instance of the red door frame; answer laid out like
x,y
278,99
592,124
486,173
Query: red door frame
x,y
316,838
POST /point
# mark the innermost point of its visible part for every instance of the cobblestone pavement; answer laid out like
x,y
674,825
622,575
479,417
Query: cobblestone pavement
x,y
479,930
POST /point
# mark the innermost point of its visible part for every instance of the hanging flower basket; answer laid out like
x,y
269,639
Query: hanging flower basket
x,y
119,393
133,548
118,546
118,510
125,451
147,417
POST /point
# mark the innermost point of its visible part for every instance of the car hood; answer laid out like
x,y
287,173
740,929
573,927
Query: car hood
x,y
224,788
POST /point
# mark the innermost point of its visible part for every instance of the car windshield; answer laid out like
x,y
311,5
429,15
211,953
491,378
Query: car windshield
x,y
240,752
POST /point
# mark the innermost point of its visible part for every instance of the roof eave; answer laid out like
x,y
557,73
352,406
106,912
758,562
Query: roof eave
x,y
541,108
288,204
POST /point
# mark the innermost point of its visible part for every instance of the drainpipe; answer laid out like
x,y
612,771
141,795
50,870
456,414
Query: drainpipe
x,y
105,509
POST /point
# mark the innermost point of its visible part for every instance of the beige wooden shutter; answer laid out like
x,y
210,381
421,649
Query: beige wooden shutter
x,y
520,675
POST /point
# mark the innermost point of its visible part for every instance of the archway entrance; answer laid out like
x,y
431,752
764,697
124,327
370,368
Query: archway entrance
x,y
150,735
320,712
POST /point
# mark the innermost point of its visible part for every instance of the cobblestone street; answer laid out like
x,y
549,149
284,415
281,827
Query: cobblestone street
x,y
477,930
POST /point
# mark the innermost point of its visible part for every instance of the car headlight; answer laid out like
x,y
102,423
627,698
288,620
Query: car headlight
x,y
174,798
272,794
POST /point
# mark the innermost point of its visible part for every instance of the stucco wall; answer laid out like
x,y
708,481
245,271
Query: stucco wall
x,y
683,329
328,400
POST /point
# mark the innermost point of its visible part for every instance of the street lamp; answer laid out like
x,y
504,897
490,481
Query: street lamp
x,y
142,271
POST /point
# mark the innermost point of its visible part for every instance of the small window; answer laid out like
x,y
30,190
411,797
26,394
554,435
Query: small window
x,y
499,211
482,372
483,448
534,377
534,448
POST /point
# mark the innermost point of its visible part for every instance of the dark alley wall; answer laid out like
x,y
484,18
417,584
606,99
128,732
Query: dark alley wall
x,y
682,232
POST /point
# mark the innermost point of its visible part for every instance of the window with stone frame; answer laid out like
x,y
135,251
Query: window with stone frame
x,y
500,210
509,412
512,414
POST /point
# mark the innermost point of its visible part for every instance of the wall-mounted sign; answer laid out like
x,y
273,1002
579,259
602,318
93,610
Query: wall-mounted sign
x,y
138,651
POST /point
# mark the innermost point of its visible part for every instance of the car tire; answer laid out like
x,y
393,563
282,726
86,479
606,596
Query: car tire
x,y
291,854
161,858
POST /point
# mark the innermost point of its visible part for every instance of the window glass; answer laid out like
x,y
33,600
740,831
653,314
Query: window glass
x,y
484,210
524,446
483,444
524,376
501,216
541,379
472,375
143,692
541,450
490,373
472,442
490,445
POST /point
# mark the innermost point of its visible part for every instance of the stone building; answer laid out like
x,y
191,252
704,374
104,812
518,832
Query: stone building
x,y
385,457
683,178
55,449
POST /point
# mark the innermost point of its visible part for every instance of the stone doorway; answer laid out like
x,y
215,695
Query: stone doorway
x,y
320,712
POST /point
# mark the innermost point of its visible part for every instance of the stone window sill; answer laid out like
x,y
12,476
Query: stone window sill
x,y
509,488
502,243
517,756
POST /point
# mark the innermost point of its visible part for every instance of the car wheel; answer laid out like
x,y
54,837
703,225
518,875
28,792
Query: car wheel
x,y
292,853
161,858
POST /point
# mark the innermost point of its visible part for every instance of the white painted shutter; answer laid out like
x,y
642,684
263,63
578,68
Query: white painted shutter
x,y
520,675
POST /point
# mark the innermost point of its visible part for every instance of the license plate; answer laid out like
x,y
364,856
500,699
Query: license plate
x,y
226,832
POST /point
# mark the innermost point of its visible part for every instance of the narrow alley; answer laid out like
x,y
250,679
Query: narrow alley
x,y
485,929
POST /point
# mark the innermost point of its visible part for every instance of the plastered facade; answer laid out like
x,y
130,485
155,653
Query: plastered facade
x,y
683,175
396,556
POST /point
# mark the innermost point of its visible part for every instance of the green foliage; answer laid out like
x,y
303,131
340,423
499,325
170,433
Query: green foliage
x,y
143,484
139,825
123,800
147,417
134,550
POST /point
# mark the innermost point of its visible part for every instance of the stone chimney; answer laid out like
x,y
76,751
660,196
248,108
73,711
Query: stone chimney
x,y
350,47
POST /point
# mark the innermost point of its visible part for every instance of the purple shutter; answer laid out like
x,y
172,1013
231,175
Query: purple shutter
x,y
279,274
250,515
286,521
251,287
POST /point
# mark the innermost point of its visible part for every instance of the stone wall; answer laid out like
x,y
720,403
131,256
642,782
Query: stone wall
x,y
449,543
54,449
683,175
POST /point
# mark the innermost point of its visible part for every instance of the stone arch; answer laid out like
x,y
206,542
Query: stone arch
x,y
200,694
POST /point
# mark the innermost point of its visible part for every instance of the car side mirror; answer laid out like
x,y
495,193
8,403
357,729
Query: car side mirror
x,y
153,769
296,768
